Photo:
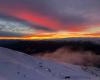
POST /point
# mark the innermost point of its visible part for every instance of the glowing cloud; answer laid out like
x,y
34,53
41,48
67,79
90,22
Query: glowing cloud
x,y
67,15
59,35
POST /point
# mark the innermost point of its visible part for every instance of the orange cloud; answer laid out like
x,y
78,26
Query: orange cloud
x,y
94,34
59,35
76,28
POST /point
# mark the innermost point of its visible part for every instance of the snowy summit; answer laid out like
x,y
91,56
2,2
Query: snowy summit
x,y
15,65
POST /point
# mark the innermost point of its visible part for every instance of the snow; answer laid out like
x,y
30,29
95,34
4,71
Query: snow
x,y
15,65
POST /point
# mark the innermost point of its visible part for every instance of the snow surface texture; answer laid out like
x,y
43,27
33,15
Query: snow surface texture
x,y
19,66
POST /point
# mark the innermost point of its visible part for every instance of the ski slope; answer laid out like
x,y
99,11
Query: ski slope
x,y
15,65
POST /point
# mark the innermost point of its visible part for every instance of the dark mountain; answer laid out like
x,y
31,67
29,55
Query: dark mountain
x,y
38,46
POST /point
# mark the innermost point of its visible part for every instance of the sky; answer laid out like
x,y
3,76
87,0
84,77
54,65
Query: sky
x,y
26,17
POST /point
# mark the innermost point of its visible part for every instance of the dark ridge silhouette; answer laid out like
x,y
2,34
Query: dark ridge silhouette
x,y
36,47
88,52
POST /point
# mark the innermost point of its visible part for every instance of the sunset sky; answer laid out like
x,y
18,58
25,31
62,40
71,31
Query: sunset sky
x,y
28,17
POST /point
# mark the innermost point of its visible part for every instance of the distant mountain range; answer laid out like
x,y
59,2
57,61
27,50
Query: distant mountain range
x,y
87,48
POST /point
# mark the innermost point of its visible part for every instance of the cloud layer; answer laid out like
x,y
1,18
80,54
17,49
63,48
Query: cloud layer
x,y
65,55
56,15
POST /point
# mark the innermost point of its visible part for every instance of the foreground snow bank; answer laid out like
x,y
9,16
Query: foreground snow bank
x,y
19,66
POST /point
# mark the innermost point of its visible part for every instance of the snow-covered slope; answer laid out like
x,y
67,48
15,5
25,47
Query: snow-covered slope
x,y
19,66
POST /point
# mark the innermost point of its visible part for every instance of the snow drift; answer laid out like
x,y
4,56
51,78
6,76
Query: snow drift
x,y
19,66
